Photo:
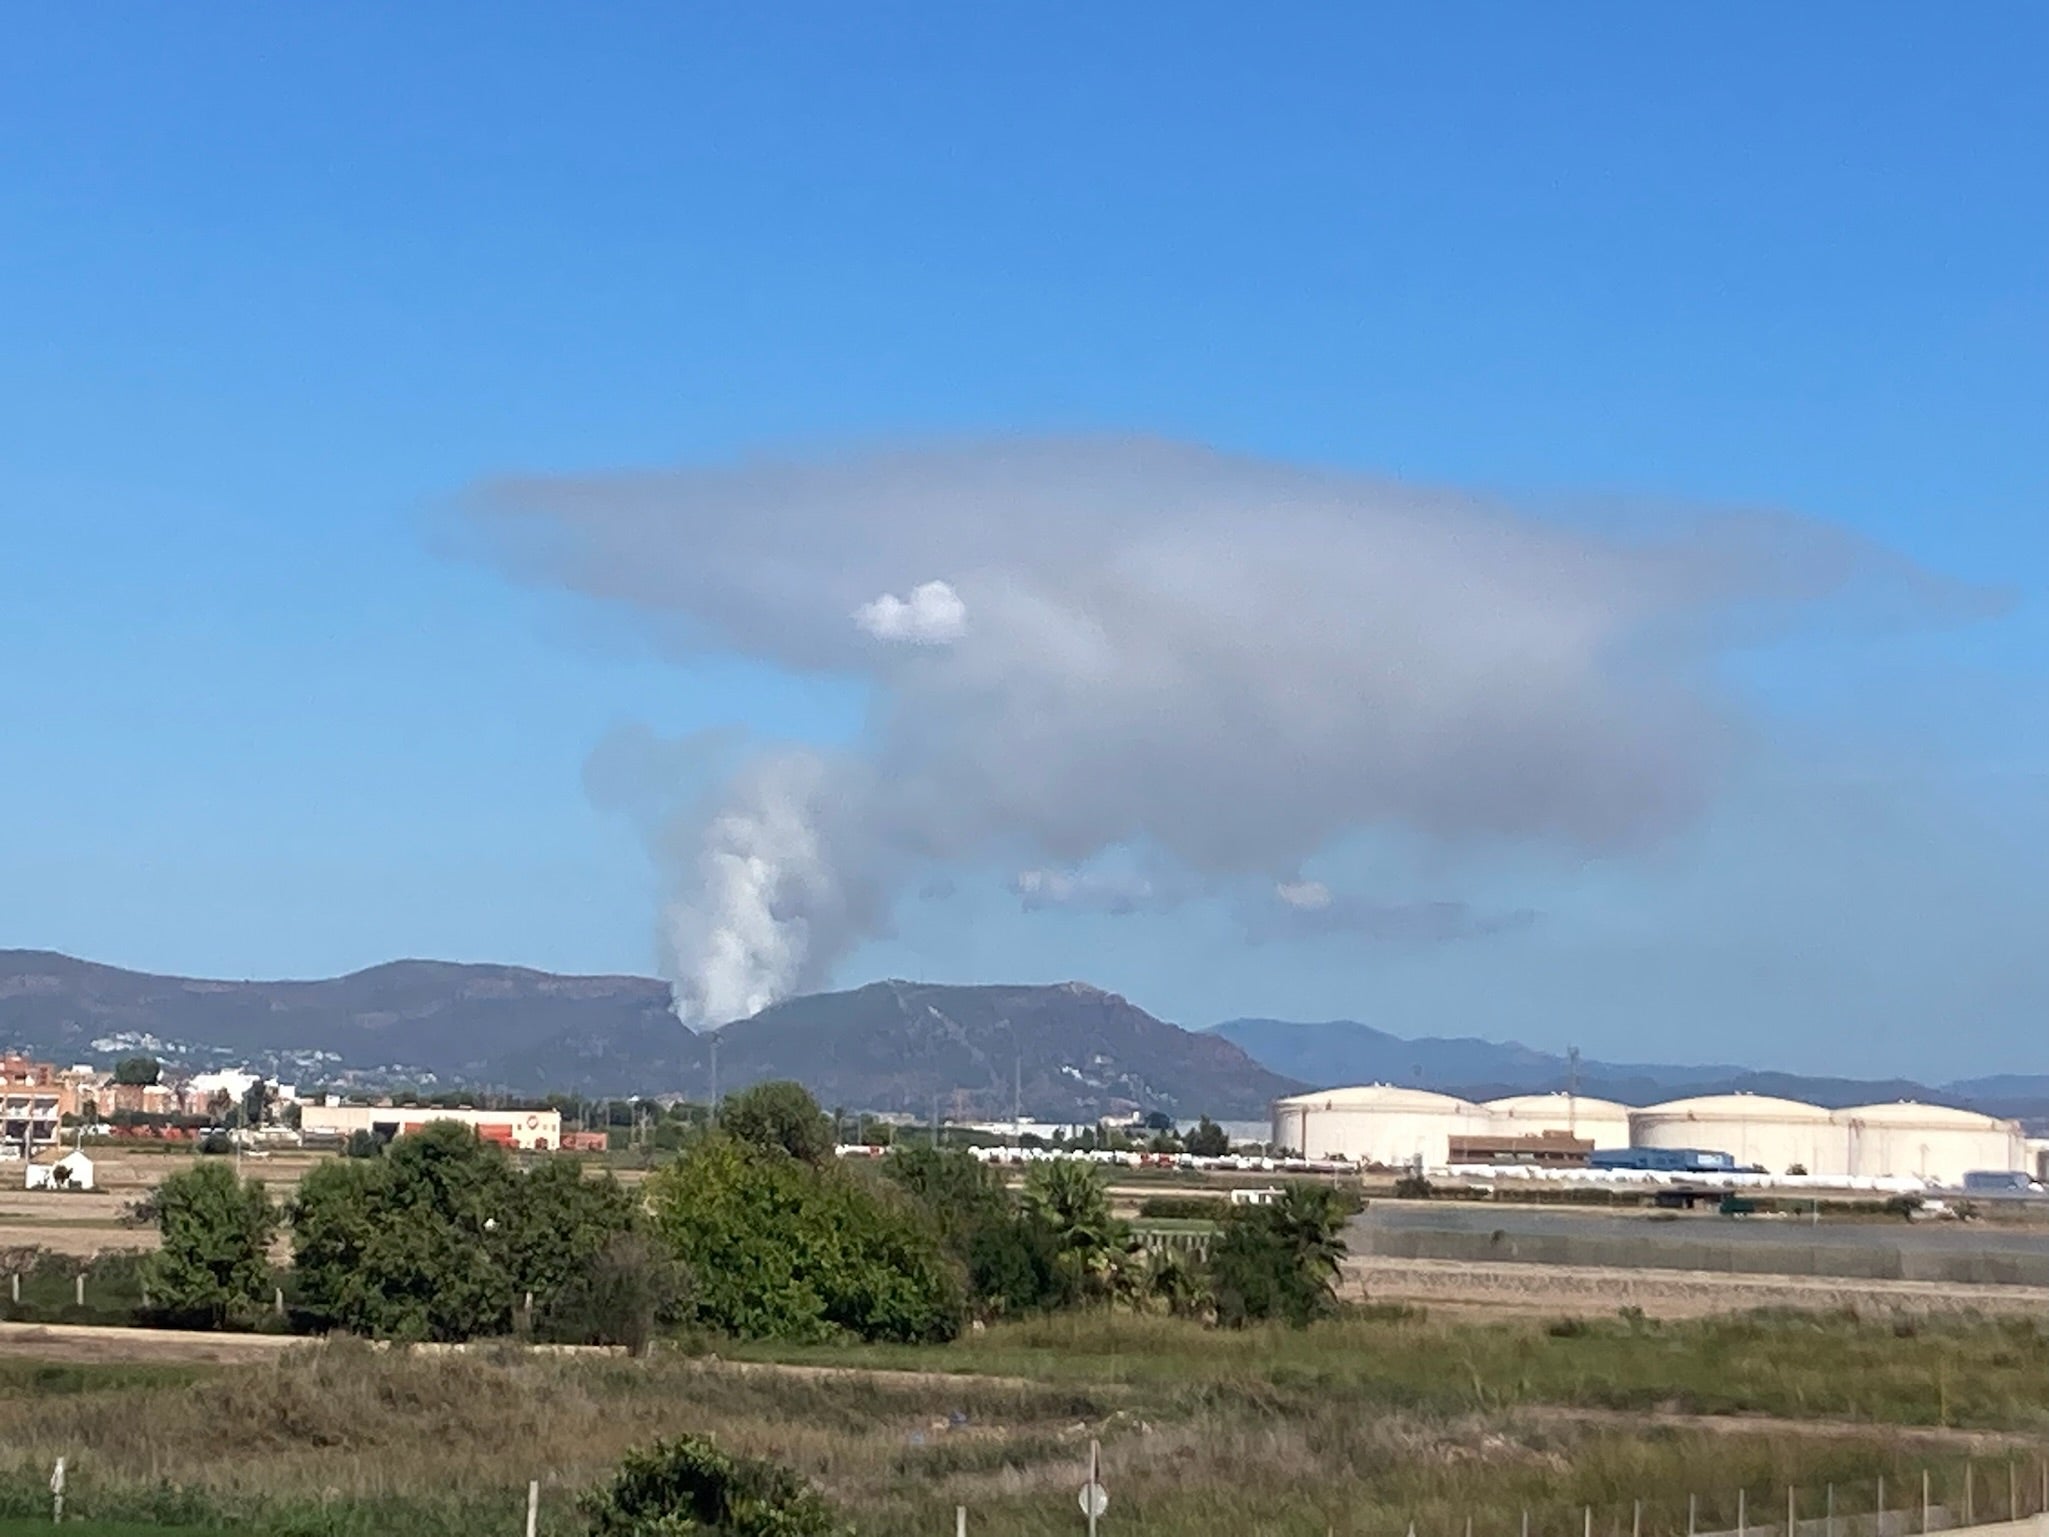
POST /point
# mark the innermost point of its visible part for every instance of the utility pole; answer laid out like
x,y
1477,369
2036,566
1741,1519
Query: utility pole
x,y
714,1078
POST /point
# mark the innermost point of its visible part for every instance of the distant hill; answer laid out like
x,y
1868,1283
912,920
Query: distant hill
x,y
1071,1051
1334,1052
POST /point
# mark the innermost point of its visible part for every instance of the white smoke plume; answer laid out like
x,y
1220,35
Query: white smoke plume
x,y
931,616
1121,644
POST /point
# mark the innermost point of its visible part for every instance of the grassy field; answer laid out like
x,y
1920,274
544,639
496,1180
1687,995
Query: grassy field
x,y
1358,1427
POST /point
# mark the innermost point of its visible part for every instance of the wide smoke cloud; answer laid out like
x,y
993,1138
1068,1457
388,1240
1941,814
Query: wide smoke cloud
x,y
1081,648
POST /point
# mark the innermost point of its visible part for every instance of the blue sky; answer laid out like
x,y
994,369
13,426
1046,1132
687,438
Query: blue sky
x,y
278,284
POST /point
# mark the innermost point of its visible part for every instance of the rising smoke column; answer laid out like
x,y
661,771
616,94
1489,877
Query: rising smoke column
x,y
1081,648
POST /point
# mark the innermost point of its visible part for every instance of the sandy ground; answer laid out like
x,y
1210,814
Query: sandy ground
x,y
1456,1285
89,1221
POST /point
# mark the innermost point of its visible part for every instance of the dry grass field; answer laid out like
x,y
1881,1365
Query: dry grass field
x,y
1362,1426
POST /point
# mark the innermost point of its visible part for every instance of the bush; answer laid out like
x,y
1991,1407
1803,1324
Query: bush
x,y
621,1297
785,1250
1208,1140
1181,1208
1413,1187
1280,1260
441,1238
691,1485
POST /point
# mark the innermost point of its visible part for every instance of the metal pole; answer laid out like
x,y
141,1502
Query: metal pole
x,y
1881,1506
79,1288
533,1506
2013,1489
1692,1512
1830,1518
960,1521
1526,1518
1924,1500
1970,1481
1792,1513
1095,1447
1635,1520
1590,1522
1742,1514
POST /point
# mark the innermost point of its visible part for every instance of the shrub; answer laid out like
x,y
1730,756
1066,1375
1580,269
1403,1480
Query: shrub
x,y
1178,1208
1280,1260
784,1250
691,1485
627,1291
1208,1140
1413,1187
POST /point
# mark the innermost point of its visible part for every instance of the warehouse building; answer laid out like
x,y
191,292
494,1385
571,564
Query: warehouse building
x,y
537,1131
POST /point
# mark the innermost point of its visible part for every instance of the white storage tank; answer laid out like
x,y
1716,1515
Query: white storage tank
x,y
1599,1121
1932,1142
1376,1123
1776,1135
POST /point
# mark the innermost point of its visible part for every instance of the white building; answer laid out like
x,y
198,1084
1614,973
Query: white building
x,y
1377,1123
74,1171
537,1131
1599,1121
1776,1135
1932,1142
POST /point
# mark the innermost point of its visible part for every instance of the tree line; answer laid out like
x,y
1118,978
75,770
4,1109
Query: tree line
x,y
757,1230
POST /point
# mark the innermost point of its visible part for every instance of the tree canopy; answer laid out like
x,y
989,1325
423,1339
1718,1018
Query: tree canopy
x,y
442,1237
779,1115
783,1249
212,1266
137,1072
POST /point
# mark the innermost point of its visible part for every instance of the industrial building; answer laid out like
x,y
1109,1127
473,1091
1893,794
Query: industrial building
x,y
1377,1123
1600,1121
1397,1127
537,1131
1781,1136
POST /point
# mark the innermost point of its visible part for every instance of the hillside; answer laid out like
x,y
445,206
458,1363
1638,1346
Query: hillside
x,y
1073,1051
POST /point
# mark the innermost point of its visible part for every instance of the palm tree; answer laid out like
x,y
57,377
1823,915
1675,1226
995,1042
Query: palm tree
x,y
1071,1200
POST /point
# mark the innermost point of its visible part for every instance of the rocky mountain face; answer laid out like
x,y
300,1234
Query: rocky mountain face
x,y
1063,1052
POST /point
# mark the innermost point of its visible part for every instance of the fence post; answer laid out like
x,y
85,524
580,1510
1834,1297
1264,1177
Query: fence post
x,y
1742,1514
1924,1501
533,1506
78,1288
1881,1506
1792,1513
960,1521
1635,1520
1590,1522
1526,1514
1829,1513
2013,1489
14,1285
1970,1484
278,1300
1692,1513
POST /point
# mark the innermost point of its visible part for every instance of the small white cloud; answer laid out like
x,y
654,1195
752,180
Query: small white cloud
x,y
1303,896
933,615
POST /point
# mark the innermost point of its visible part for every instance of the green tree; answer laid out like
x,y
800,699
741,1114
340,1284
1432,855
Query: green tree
x,y
1208,1140
1069,1200
256,1103
1009,1260
137,1072
692,1485
1280,1260
212,1266
781,1115
441,1238
783,1249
